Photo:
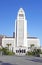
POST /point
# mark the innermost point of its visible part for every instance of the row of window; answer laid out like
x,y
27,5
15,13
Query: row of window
x,y
21,51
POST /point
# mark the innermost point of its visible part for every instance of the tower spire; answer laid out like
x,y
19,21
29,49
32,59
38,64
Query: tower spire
x,y
21,28
21,14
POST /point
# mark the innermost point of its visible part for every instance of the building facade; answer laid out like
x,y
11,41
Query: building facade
x,y
21,29
20,43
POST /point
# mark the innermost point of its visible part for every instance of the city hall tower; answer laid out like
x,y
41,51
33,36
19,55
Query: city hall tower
x,y
21,29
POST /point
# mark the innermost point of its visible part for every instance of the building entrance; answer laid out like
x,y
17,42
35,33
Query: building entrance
x,y
21,51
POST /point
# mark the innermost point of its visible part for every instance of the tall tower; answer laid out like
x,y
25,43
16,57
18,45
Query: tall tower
x,y
21,29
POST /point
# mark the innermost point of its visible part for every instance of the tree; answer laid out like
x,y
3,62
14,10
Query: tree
x,y
8,45
32,47
37,52
7,52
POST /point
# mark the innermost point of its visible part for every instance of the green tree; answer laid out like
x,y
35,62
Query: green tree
x,y
37,51
8,45
32,47
7,52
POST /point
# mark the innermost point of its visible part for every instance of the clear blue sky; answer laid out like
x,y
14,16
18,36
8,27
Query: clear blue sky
x,y
8,14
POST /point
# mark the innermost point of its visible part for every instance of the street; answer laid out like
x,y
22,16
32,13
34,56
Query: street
x,y
20,60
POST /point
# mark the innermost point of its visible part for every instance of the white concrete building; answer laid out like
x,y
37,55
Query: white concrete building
x,y
10,41
21,43
33,40
21,29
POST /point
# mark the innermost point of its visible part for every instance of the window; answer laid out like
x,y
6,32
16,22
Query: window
x,y
21,15
24,51
20,51
16,51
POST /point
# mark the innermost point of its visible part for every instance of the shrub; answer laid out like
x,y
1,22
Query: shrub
x,y
7,52
29,53
35,52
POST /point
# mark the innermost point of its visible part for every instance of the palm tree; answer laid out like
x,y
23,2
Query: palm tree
x,y
32,47
8,45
